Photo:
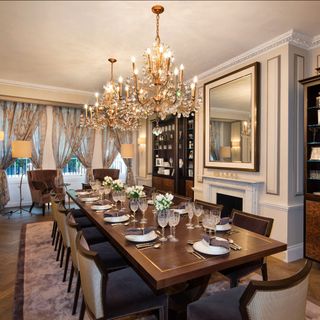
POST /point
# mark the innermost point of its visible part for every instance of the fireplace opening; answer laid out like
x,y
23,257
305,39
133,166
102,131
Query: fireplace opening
x,y
229,203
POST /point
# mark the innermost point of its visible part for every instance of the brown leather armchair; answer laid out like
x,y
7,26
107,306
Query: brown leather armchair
x,y
99,174
41,183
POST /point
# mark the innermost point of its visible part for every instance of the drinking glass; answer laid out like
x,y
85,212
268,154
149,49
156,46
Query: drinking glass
x,y
198,212
101,193
190,210
122,198
107,191
143,205
214,219
162,221
134,206
174,218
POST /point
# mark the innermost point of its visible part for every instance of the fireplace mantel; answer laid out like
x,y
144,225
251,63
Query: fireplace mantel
x,y
246,189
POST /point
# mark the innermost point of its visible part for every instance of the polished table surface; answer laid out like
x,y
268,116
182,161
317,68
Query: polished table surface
x,y
171,264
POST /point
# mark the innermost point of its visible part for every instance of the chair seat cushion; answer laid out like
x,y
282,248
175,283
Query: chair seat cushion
x,y
83,222
109,256
93,235
223,305
128,293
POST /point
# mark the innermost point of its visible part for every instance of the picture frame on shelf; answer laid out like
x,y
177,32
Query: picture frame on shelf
x,y
159,162
315,153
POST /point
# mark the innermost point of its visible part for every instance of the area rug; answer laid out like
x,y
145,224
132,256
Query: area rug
x,y
40,293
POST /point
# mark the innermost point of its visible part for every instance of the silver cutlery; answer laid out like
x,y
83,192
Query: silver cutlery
x,y
233,244
196,254
156,245
120,224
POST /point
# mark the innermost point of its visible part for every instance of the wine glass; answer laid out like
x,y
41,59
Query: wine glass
x,y
115,197
143,205
134,206
107,190
122,198
101,193
162,221
174,219
190,210
214,219
198,212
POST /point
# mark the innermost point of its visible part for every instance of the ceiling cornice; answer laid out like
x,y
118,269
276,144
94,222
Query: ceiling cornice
x,y
291,37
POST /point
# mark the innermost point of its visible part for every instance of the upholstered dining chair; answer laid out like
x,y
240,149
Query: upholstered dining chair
x,y
148,190
209,205
41,183
100,173
258,224
260,300
119,293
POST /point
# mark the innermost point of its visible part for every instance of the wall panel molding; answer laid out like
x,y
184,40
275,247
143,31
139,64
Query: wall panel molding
x,y
273,126
318,60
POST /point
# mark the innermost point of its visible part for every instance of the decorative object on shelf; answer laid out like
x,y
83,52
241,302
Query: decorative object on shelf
x,y
159,162
315,153
318,100
114,109
127,153
314,174
21,150
161,88
135,192
314,131
163,201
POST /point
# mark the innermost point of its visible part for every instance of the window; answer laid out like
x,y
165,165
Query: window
x,y
119,164
74,166
19,167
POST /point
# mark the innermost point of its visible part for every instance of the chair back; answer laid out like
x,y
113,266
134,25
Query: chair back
x,y
148,190
209,205
93,278
61,215
280,299
99,174
72,229
55,201
252,222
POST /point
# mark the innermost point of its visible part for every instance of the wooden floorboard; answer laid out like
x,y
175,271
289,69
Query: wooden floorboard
x,y
9,246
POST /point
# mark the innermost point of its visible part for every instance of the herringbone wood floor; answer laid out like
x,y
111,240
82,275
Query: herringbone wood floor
x,y
9,246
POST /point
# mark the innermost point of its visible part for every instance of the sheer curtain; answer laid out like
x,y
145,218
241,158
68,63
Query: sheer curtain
x,y
18,121
110,147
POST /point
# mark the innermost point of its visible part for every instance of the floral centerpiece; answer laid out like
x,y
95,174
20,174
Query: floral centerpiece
x,y
107,182
117,185
163,201
135,192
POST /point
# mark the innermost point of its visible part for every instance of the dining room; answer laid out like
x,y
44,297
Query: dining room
x,y
159,160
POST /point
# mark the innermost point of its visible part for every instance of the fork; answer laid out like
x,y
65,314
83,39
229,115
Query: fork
x,y
196,254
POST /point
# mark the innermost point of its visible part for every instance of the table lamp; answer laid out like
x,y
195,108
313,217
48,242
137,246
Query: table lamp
x,y
21,149
127,153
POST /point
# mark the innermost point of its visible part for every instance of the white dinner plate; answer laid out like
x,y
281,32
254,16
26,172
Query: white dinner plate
x,y
122,218
150,202
83,193
142,238
91,199
204,247
180,211
219,227
101,207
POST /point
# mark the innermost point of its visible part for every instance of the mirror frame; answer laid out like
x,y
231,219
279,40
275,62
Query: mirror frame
x,y
254,70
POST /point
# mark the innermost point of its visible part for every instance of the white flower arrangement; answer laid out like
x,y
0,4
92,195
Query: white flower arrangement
x,y
117,185
135,192
163,201
108,181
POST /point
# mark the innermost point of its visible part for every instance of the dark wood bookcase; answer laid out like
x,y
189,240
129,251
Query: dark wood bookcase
x,y
173,156
312,167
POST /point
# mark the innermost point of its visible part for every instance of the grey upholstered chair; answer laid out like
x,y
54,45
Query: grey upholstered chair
x,y
111,295
258,224
260,300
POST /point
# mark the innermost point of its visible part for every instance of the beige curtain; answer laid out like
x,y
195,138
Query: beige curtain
x,y
110,146
84,152
18,121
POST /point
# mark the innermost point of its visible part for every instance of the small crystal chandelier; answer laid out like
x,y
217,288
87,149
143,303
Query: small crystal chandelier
x,y
113,109
161,89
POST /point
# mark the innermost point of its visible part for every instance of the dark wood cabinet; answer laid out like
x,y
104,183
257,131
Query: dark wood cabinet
x,y
312,167
173,155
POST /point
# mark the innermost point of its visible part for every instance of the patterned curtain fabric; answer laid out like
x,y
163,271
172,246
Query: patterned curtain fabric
x,y
110,147
18,121
85,151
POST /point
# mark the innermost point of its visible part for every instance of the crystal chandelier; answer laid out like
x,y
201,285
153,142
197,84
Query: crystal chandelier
x,y
114,109
161,89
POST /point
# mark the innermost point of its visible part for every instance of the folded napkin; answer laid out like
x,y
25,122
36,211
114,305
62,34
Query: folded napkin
x,y
224,220
114,213
216,243
102,202
139,231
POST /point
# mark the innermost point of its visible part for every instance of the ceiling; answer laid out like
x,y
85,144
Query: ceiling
x,y
66,44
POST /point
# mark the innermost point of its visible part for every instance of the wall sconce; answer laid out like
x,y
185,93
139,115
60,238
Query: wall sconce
x,y
235,143
142,140
1,135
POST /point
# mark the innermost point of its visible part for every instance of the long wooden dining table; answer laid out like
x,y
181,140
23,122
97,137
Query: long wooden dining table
x,y
171,265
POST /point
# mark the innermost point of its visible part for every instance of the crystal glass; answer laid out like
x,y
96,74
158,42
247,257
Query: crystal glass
x,y
107,190
162,221
134,206
198,212
122,198
174,219
190,210
101,193
143,206
115,197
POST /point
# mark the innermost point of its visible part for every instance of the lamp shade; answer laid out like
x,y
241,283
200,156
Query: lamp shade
x,y
21,149
127,150
1,135
142,140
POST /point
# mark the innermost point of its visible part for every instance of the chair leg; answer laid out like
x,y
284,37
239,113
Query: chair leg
x,y
57,240
62,255
76,296
31,207
264,271
43,209
66,265
54,231
71,277
59,248
233,282
83,309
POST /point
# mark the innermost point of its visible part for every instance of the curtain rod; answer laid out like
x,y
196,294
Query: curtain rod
x,y
39,101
